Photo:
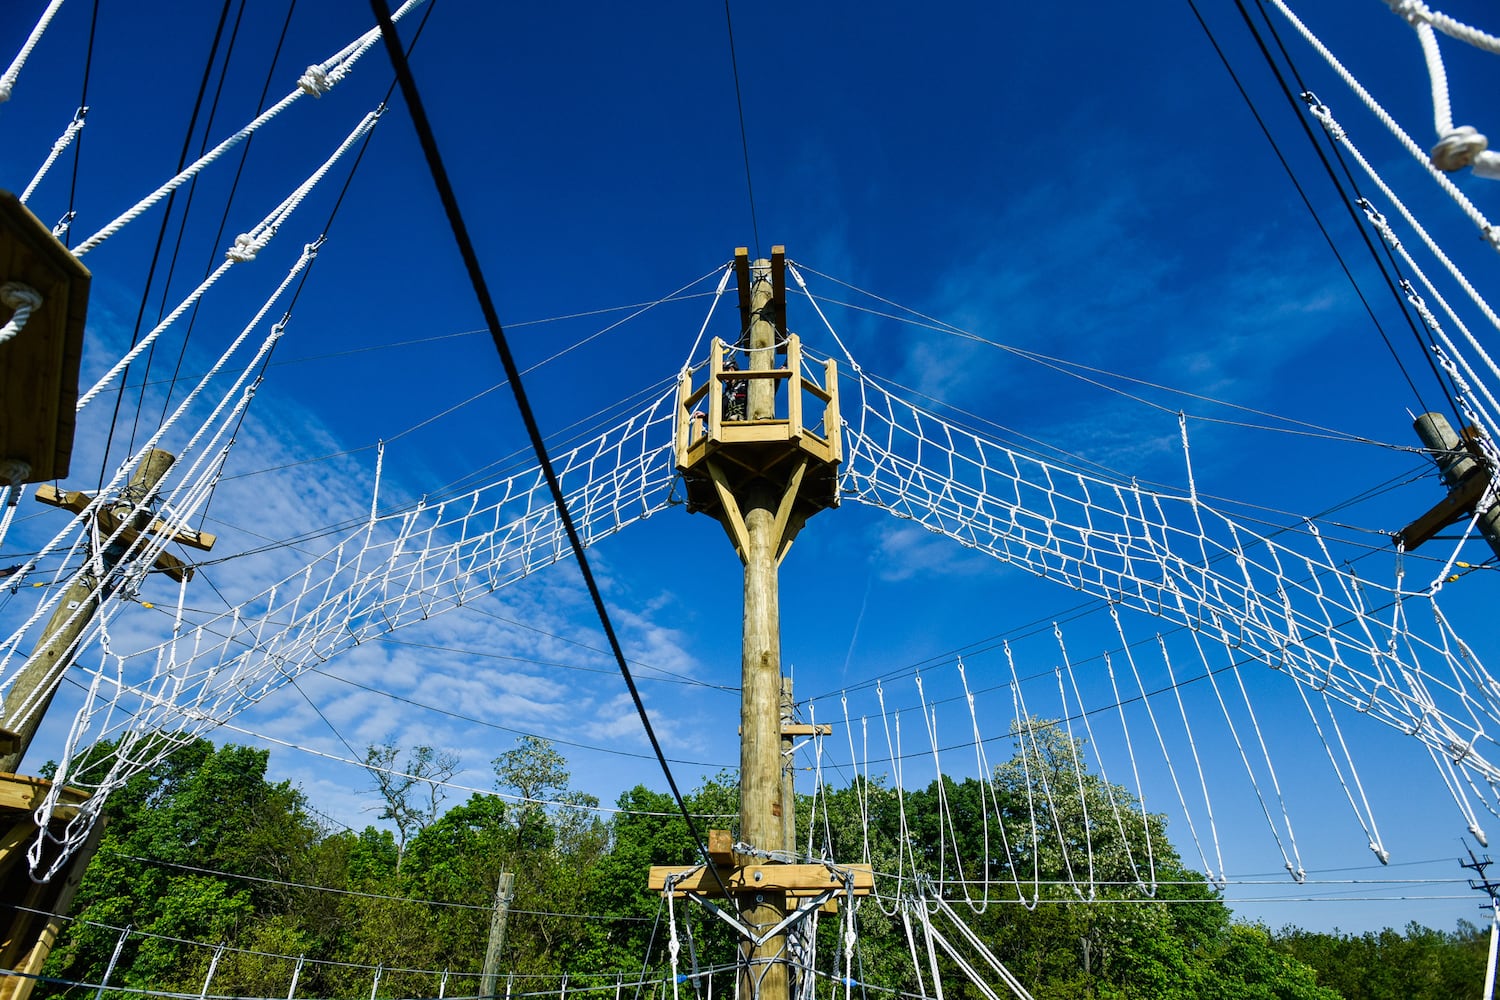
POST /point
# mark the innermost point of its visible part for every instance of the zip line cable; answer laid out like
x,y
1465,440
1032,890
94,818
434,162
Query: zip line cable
x,y
323,235
83,103
1306,201
161,237
1349,206
182,223
513,374
739,103
234,186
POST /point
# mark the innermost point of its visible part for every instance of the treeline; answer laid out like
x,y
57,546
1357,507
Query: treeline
x,y
212,880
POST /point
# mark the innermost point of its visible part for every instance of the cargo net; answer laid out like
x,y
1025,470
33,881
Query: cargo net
x,y
1171,556
394,570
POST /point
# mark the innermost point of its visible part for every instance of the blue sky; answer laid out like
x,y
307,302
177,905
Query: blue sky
x,y
1081,183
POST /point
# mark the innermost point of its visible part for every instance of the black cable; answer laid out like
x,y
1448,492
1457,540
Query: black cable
x,y
161,235
187,210
83,103
513,373
327,226
739,102
1306,201
1429,348
239,171
1349,206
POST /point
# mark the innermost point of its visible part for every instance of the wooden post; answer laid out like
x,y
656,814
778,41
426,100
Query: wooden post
x,y
31,692
788,778
760,707
496,942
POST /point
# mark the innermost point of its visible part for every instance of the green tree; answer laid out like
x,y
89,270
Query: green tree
x,y
412,790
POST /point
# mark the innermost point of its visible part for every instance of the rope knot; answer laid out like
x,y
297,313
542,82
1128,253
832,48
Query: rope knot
x,y
1414,12
1459,148
315,81
245,248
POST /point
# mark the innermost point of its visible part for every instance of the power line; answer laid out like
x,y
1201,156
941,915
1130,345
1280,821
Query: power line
x,y
513,374
739,104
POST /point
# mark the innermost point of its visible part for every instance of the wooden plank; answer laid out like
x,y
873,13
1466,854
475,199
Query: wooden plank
x,y
833,430
794,880
742,278
24,792
1458,504
721,847
806,729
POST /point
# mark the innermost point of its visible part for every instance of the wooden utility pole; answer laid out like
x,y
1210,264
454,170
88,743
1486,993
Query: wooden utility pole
x,y
496,943
762,473
125,520
28,930
1467,474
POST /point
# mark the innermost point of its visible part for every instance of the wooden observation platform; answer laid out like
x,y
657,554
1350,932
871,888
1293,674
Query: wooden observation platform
x,y
39,362
44,294
760,417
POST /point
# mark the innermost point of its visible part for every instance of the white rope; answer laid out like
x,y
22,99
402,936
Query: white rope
x,y
8,78
1213,829
329,72
1417,12
62,143
23,300
1411,146
1170,556
1140,791
1027,725
712,305
1383,227
1083,799
246,246
1088,727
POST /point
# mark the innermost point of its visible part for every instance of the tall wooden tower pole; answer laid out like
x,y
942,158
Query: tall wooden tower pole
x,y
761,469
760,665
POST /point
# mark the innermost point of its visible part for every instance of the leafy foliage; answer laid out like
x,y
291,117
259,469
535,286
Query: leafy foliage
x,y
1086,896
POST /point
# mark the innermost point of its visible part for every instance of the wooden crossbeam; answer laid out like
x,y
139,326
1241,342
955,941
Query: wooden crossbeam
x,y
793,880
77,502
1457,505
110,523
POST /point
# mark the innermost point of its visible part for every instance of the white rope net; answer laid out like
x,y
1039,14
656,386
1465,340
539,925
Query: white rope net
x,y
396,569
1176,558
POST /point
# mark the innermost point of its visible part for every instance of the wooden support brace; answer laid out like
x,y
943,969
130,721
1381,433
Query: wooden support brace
x,y
720,847
784,509
806,729
734,521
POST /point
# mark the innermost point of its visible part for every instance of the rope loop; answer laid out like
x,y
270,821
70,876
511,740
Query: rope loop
x,y
1459,148
23,299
